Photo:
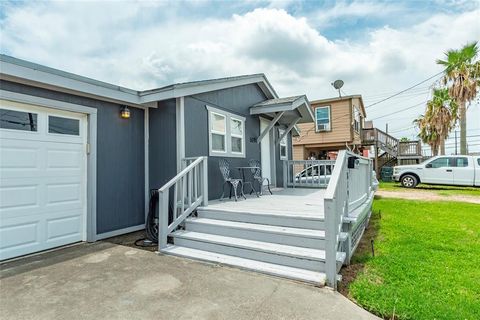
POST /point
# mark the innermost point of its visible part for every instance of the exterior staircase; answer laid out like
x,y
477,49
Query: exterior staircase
x,y
288,246
389,151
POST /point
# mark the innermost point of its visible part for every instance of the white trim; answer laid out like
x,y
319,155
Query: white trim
x,y
146,134
180,127
329,119
227,134
115,233
91,184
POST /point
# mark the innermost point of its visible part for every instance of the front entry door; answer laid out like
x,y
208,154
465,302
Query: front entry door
x,y
265,151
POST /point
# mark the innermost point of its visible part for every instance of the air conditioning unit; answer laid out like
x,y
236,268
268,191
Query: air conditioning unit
x,y
322,127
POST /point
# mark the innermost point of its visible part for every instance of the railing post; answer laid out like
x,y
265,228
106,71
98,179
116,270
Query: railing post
x,y
162,219
330,243
285,176
205,181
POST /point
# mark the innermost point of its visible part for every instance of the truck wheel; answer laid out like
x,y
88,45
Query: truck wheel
x,y
409,181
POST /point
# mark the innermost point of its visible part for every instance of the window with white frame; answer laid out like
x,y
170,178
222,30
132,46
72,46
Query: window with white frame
x,y
356,119
226,133
322,119
283,145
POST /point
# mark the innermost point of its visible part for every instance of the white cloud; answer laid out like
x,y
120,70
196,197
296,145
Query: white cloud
x,y
141,45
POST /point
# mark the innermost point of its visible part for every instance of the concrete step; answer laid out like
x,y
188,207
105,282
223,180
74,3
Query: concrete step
x,y
291,256
284,220
317,278
308,238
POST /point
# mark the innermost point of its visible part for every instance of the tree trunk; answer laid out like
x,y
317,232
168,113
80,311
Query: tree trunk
x,y
442,146
463,127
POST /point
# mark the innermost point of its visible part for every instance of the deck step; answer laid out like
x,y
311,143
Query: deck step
x,y
317,278
284,220
308,238
292,256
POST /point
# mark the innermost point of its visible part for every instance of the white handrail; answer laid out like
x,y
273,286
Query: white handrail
x,y
307,173
190,189
348,190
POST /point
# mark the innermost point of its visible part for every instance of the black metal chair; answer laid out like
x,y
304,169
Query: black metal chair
x,y
257,175
224,166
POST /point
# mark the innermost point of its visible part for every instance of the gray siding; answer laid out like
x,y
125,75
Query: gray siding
x,y
120,159
278,162
162,143
236,100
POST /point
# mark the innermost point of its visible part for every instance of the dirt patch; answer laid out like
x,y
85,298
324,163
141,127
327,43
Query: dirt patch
x,y
363,253
130,239
426,196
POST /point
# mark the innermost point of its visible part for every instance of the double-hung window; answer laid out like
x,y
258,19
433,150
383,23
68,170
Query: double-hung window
x,y
283,145
226,133
322,119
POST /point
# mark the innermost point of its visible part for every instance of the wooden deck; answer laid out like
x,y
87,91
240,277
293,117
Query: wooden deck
x,y
299,202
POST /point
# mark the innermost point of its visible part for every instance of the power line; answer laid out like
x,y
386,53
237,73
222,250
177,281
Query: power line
x,y
411,107
399,93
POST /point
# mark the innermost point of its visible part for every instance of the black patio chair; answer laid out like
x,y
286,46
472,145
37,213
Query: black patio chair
x,y
224,167
257,175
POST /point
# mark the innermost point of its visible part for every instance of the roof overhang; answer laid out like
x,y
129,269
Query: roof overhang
x,y
292,110
22,71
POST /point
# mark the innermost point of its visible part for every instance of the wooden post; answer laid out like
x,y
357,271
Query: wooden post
x,y
162,219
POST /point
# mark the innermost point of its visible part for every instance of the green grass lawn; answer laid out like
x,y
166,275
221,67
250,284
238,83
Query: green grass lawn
x,y
440,190
426,264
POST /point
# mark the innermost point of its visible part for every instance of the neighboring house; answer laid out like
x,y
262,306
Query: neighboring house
x,y
79,157
337,126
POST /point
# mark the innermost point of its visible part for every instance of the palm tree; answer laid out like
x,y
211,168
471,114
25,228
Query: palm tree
x,y
428,133
442,114
462,75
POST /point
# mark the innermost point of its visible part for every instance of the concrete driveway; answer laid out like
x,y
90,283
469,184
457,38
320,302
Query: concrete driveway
x,y
108,281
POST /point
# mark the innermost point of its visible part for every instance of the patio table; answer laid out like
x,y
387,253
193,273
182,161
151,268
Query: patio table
x,y
242,172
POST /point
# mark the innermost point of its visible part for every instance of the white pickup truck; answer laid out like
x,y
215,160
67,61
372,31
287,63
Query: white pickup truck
x,y
446,170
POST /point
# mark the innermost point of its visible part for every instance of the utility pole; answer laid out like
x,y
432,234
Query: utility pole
x,y
456,142
386,128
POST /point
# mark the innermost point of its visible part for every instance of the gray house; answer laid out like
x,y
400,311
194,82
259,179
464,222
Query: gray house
x,y
78,158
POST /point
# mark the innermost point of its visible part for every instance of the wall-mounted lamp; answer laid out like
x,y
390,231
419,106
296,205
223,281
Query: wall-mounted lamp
x,y
125,112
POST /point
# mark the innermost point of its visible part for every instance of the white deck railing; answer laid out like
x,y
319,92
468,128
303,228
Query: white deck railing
x,y
348,197
183,193
307,173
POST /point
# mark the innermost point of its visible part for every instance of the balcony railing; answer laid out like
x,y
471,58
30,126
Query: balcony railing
x,y
307,173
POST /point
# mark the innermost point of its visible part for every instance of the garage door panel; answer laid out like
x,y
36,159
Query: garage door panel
x,y
61,159
18,158
42,184
19,237
60,193
19,196
64,227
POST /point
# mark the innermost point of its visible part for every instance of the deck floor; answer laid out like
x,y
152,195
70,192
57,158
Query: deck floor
x,y
291,201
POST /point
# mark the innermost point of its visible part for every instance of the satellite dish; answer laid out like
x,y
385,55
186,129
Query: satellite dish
x,y
338,84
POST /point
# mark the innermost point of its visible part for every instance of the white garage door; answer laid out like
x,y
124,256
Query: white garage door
x,y
42,178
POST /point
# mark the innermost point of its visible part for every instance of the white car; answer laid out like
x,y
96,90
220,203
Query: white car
x,y
444,170
316,174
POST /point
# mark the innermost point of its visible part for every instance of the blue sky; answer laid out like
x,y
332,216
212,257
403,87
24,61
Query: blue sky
x,y
376,47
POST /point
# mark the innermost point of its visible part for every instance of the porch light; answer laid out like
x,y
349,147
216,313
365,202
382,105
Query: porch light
x,y
125,112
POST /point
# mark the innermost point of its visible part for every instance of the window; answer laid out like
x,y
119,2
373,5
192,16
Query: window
x,y
218,132
461,162
18,120
236,126
283,145
62,125
478,161
440,163
356,119
322,118
226,133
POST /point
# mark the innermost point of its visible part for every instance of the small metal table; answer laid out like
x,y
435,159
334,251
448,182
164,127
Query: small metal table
x,y
242,171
